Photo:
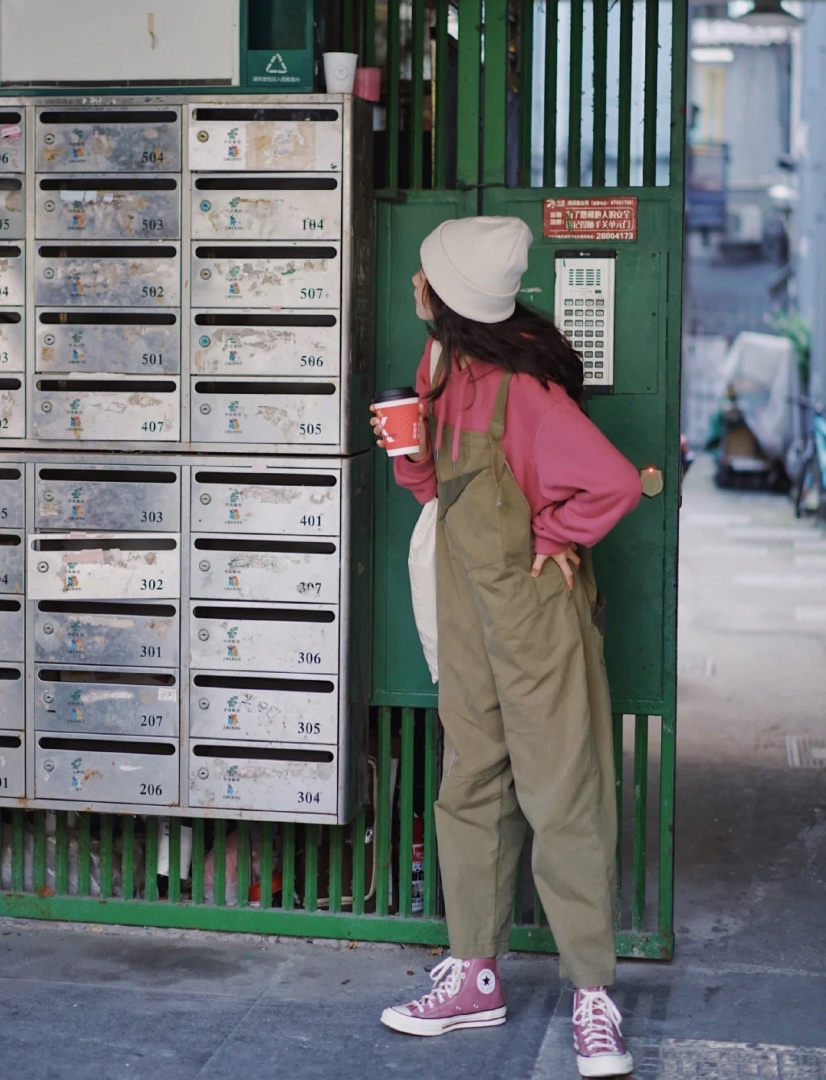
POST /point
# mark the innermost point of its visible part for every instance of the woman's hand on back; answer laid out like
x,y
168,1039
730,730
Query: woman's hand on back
x,y
566,560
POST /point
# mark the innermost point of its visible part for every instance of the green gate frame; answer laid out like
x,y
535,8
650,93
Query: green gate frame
x,y
103,868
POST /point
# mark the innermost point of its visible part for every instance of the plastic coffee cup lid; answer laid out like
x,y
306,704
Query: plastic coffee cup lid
x,y
396,393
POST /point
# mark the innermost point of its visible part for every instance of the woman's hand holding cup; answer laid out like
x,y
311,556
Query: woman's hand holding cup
x,y
399,423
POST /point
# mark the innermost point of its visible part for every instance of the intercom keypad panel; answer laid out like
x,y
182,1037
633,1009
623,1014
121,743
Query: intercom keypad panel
x,y
584,305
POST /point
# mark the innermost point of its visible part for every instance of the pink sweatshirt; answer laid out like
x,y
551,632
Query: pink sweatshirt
x,y
578,485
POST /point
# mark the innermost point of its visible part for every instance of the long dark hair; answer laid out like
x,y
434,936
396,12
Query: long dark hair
x,y
526,342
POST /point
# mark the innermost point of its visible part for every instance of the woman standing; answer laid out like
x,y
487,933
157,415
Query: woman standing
x,y
526,484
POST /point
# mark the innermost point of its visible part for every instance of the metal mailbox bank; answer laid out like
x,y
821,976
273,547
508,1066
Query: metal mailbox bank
x,y
185,476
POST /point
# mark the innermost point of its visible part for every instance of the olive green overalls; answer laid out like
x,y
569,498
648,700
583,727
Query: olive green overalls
x,y
524,701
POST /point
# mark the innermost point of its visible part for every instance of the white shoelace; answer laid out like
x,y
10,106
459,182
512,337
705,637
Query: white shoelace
x,y
599,1019
448,977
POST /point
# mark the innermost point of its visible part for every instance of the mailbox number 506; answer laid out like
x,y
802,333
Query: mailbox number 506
x,y
151,584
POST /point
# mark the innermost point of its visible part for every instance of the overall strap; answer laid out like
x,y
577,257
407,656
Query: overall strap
x,y
496,432
496,428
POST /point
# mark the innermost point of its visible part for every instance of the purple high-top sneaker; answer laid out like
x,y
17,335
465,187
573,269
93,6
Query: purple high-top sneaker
x,y
466,994
599,1045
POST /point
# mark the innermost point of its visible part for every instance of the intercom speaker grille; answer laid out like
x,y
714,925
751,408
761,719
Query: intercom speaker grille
x,y
579,276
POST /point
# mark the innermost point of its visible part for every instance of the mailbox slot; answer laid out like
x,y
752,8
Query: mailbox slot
x,y
266,275
291,503
12,141
12,408
114,208
12,562
119,409
12,205
289,638
121,771
236,568
299,413
256,343
263,709
107,275
13,275
12,340
266,207
129,498
102,566
265,139
12,631
12,767
12,497
136,634
108,140
136,342
12,700
279,780
98,702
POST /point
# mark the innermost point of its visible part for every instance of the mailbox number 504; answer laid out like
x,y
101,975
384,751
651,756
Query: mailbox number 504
x,y
151,584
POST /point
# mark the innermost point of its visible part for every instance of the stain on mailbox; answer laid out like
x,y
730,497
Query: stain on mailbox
x,y
291,343
265,138
108,140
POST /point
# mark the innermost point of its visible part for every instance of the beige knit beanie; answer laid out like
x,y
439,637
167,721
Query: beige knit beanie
x,y
476,265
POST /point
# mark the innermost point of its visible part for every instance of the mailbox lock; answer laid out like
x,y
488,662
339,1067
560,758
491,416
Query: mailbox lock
x,y
206,205
203,136
652,481
204,341
48,273
42,568
48,139
206,499
203,565
203,773
206,274
48,697
48,496
203,703
48,628
203,635
48,766
48,339
206,409
46,406
49,205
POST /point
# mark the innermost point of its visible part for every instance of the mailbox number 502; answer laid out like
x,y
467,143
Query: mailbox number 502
x,y
151,584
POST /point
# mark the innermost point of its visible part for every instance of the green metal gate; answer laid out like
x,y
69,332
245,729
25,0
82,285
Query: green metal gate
x,y
490,108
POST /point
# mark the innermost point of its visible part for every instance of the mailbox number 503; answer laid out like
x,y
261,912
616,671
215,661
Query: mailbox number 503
x,y
151,584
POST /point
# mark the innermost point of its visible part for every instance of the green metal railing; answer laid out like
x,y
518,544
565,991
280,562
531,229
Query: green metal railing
x,y
353,881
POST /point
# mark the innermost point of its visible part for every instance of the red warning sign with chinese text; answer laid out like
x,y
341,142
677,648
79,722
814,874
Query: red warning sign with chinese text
x,y
591,219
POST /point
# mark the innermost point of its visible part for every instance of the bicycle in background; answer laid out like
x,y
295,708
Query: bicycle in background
x,y
808,487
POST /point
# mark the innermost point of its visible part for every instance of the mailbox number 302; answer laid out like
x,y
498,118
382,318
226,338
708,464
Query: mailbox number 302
x,y
151,584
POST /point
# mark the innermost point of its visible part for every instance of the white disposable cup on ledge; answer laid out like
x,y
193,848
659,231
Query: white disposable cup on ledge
x,y
340,71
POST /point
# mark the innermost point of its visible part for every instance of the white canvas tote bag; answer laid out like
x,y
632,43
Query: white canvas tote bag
x,y
421,564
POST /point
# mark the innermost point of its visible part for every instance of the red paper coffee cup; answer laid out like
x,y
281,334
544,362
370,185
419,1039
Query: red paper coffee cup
x,y
398,410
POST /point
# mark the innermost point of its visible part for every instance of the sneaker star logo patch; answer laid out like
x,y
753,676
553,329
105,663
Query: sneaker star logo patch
x,y
486,981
